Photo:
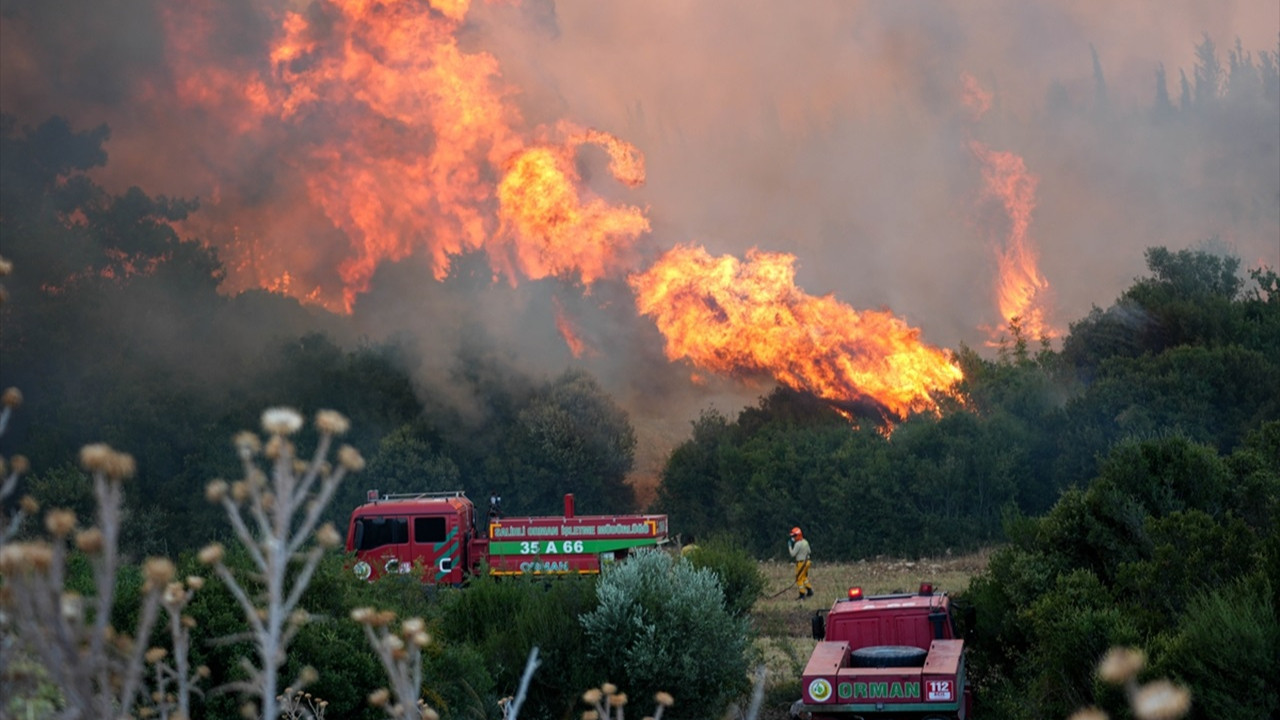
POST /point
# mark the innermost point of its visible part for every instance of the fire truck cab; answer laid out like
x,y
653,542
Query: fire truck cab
x,y
437,530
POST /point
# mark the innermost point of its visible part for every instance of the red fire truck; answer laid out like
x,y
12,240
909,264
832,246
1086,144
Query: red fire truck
x,y
886,656
443,534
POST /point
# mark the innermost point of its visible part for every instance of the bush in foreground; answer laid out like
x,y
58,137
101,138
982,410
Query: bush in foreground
x,y
662,625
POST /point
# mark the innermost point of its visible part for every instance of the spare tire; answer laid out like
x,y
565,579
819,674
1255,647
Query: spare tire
x,y
888,656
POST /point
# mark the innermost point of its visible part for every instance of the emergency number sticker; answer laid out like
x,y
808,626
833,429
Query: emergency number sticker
x,y
939,690
819,690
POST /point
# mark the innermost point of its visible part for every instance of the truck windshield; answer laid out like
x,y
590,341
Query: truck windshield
x,y
374,532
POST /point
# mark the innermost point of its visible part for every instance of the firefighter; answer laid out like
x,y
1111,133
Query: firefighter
x,y
799,549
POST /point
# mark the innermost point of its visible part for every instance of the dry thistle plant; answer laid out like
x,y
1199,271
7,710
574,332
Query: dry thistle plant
x,y
10,521
275,518
98,670
1156,700
299,705
10,472
400,652
606,702
174,682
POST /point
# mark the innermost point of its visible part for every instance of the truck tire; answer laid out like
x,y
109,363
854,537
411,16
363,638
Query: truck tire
x,y
888,656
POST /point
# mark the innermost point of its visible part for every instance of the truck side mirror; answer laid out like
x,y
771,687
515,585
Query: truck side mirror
x,y
818,626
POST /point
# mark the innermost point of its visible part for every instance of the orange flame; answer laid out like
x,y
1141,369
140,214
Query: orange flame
x,y
406,144
1020,289
975,97
749,318
547,228
569,331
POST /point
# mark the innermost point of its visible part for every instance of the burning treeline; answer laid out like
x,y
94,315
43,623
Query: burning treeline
x,y
362,132
424,152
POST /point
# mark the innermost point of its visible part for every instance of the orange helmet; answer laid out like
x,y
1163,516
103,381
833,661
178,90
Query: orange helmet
x,y
795,533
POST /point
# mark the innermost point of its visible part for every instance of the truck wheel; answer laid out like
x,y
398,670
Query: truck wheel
x,y
888,656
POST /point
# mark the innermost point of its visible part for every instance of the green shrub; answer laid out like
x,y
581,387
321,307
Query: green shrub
x,y
1224,649
739,573
504,618
662,625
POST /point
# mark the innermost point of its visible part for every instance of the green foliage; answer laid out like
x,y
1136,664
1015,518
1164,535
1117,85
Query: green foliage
x,y
1224,646
739,574
662,625
1158,549
502,619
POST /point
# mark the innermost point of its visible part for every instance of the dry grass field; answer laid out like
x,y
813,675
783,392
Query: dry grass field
x,y
783,622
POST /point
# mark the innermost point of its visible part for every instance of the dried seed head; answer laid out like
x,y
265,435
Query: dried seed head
x,y
299,467
1161,700
609,688
28,504
299,617
90,541
350,458
1121,664
94,457
592,696
174,594
281,421
1089,713
328,536
6,266
60,523
216,491
247,444
120,466
239,491
393,642
308,676
429,714
268,501
187,621
195,582
72,606
420,639
412,626
158,572
211,554
12,397
664,699
25,557
617,700
204,671
155,655
249,711
332,422
363,615
379,697
19,464
590,715
384,618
